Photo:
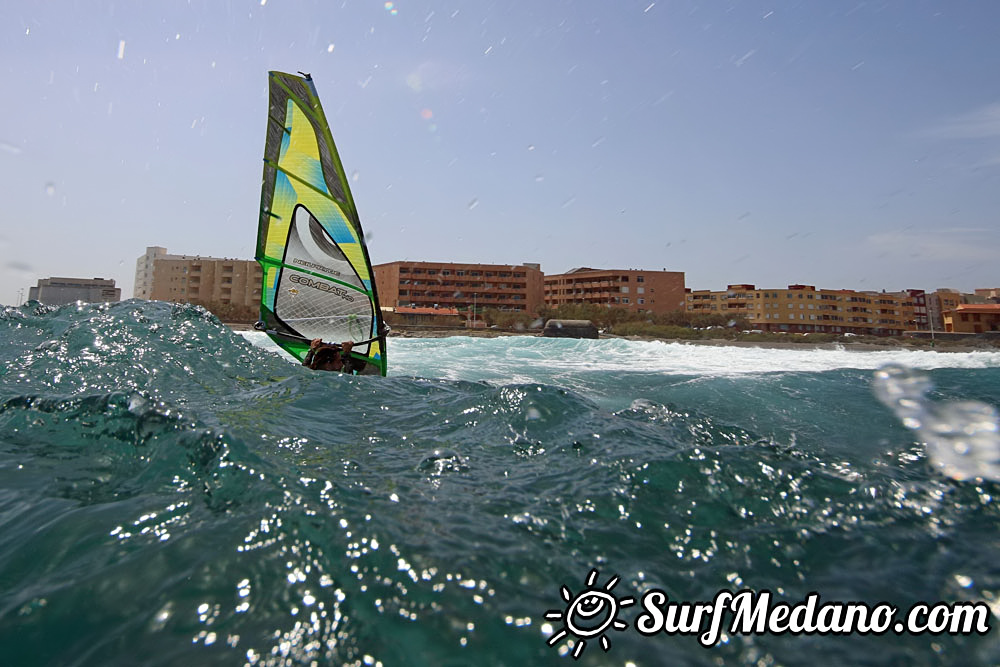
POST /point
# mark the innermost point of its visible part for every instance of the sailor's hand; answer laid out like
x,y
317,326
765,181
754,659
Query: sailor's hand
x,y
315,342
347,345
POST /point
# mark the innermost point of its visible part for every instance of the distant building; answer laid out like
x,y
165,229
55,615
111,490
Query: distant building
x,y
805,309
422,316
507,287
58,291
230,288
972,318
991,294
630,289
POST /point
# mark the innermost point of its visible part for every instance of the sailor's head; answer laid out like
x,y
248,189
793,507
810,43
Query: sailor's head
x,y
328,359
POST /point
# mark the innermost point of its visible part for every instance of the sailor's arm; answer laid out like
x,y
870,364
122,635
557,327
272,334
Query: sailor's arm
x,y
313,346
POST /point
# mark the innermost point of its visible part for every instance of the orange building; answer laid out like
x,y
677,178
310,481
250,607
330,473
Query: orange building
x,y
448,285
631,289
972,318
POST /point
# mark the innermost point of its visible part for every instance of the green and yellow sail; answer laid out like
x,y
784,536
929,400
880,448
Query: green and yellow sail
x,y
318,279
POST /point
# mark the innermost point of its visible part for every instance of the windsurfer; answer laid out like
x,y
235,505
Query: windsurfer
x,y
330,357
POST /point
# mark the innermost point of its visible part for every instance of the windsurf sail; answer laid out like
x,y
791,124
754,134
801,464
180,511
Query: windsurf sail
x,y
318,279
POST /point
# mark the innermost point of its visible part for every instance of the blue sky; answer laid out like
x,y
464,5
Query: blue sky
x,y
845,145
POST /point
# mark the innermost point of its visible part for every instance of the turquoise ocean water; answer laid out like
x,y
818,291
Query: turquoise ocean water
x,y
172,493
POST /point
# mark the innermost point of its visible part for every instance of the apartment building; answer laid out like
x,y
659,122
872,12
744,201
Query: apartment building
x,y
805,309
230,288
735,300
143,286
461,286
632,289
207,281
58,291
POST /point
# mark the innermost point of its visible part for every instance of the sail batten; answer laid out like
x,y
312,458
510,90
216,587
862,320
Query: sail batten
x,y
318,281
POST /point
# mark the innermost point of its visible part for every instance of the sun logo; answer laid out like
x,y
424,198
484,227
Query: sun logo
x,y
589,614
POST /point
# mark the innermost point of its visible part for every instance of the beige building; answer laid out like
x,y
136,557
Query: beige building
x,y
207,280
230,288
143,286
972,318
462,286
805,309
631,289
